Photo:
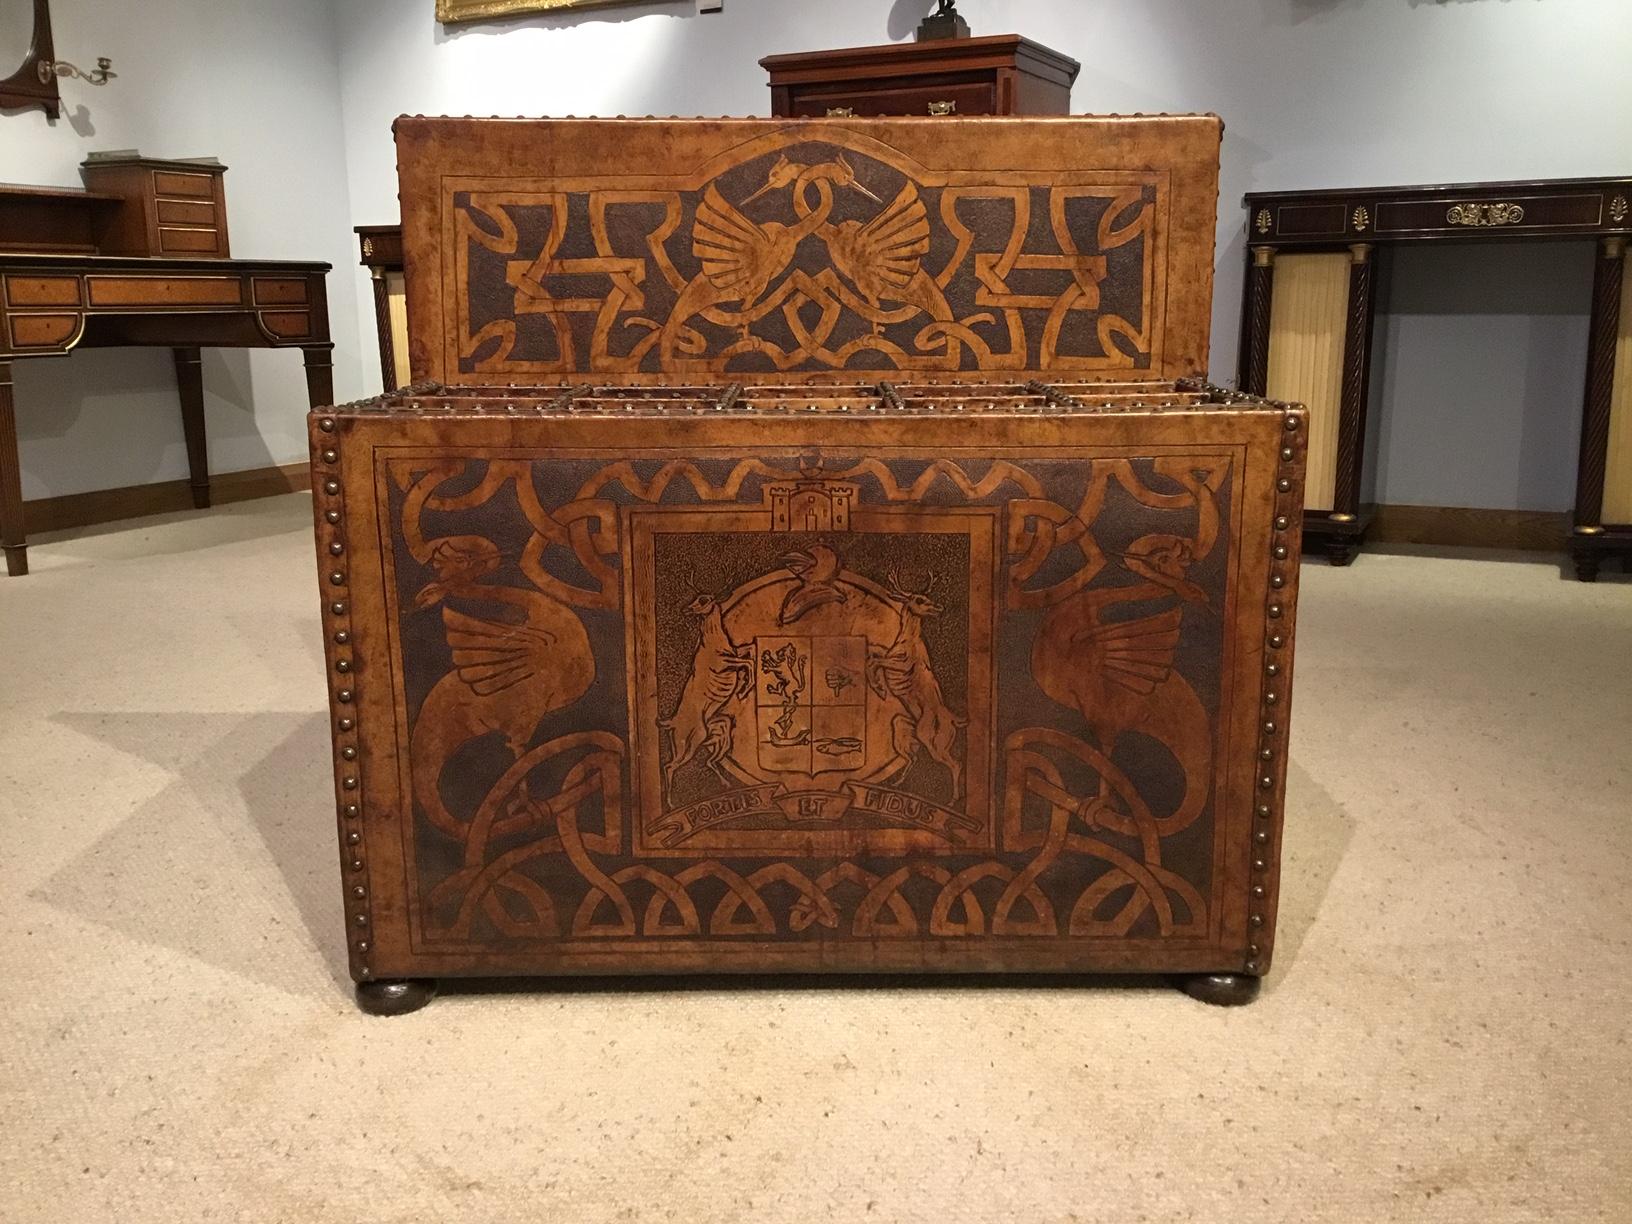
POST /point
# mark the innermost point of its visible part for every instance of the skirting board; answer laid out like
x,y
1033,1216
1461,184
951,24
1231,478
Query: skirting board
x,y
165,497
1456,526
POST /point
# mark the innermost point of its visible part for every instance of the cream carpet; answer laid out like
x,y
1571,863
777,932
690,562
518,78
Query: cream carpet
x,y
1444,1036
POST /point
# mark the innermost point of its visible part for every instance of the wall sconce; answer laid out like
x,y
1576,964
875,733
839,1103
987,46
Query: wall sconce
x,y
62,68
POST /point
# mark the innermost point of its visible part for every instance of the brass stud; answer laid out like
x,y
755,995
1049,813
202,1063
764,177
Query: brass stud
x,y
350,753
1257,890
1276,640
1281,522
1264,812
1269,728
1251,966
1266,782
351,811
1284,485
1256,920
356,864
337,608
361,919
1286,452
351,783
1273,669
332,516
346,724
358,890
1277,581
326,424
1291,422
1274,609
331,486
1271,698
343,696
1266,754
336,548
364,971
342,637
353,838
342,665
1252,949
362,945
1280,552
1261,837
329,456
1259,865
337,578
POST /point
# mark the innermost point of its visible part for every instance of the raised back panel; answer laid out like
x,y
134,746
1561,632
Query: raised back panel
x,y
641,249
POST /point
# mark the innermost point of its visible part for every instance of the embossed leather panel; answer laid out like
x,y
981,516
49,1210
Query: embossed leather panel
x,y
633,250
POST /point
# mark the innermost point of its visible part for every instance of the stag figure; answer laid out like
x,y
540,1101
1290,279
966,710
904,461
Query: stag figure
x,y
903,672
721,673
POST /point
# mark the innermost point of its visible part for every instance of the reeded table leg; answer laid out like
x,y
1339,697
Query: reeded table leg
x,y
1221,989
395,998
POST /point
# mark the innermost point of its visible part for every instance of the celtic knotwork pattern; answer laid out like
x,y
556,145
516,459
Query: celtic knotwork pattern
x,y
744,699
805,255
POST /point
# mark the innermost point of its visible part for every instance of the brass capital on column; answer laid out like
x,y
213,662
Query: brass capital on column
x,y
1263,256
1614,247
1360,252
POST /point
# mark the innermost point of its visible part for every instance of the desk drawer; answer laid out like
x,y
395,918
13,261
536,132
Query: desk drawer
x,y
175,240
178,183
197,213
160,291
967,97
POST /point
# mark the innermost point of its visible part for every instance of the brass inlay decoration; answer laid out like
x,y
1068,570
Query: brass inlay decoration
x,y
1617,209
1362,218
1484,214
368,248
477,10
943,108
841,112
1263,222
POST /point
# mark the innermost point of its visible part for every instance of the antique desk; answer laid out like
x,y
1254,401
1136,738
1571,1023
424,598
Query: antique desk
x,y
58,293
1306,328
801,552
1001,74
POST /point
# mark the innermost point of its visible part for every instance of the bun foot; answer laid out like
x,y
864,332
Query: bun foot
x,y
396,998
1221,989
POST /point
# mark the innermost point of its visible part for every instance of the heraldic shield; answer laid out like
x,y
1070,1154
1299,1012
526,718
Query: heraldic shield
x,y
813,683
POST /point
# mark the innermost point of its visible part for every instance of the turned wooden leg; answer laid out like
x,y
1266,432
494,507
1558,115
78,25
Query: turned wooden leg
x,y
1586,565
1221,989
11,482
1340,553
395,998
319,375
190,386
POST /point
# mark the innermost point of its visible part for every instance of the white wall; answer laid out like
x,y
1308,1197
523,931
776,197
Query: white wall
x,y
255,83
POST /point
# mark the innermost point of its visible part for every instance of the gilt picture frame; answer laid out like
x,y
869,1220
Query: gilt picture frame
x,y
450,12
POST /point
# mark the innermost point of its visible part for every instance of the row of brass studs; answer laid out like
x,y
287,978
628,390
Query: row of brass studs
x,y
1280,552
338,625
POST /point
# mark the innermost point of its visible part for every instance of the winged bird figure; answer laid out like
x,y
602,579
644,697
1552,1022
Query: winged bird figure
x,y
1118,670
742,258
507,675
817,569
884,256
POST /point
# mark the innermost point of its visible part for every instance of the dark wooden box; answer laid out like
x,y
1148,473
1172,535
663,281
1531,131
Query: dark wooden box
x,y
1001,74
873,599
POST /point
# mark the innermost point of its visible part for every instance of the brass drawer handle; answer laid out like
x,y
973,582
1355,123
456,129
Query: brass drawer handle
x,y
841,112
943,108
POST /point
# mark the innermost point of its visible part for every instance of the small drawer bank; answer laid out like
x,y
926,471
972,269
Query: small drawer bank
x,y
805,552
